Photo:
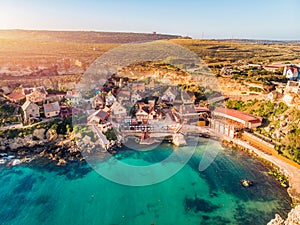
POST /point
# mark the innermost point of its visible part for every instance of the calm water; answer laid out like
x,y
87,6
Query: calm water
x,y
42,193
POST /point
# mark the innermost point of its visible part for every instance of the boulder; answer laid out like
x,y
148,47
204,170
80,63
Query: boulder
x,y
51,135
39,133
61,162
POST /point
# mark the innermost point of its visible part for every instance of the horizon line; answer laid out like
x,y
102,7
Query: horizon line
x,y
151,32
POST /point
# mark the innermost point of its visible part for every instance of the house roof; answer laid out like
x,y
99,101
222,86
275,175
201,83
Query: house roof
x,y
117,108
124,94
293,69
138,86
27,104
99,98
28,91
172,90
141,111
201,109
101,114
186,109
16,96
73,94
238,115
185,96
51,107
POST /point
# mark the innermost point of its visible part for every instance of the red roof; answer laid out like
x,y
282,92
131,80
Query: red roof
x,y
201,109
272,66
16,96
293,69
239,115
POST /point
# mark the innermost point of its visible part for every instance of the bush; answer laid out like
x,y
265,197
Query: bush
x,y
110,134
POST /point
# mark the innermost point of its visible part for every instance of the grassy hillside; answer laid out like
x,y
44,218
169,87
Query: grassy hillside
x,y
226,52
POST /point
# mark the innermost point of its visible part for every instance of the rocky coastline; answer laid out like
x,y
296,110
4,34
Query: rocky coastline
x,y
62,149
294,215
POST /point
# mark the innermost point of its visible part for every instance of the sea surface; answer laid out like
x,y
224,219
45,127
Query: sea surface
x,y
41,193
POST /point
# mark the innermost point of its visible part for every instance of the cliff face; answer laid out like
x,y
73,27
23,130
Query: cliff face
x,y
293,218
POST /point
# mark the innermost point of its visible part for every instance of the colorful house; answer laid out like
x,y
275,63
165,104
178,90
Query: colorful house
x,y
31,111
291,72
51,109
36,94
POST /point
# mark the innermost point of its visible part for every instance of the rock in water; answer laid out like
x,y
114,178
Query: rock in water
x,y
246,183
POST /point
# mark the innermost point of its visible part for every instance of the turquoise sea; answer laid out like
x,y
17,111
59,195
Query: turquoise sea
x,y
42,193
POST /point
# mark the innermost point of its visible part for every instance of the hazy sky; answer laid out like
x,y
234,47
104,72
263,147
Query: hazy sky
x,y
260,19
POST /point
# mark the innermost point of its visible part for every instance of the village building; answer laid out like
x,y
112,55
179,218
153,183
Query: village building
x,y
223,128
55,97
188,112
237,118
142,115
291,72
110,99
135,97
31,111
227,71
155,113
254,66
36,94
51,109
273,96
74,97
118,111
170,95
65,111
123,96
272,68
289,99
99,116
293,87
16,96
98,102
186,98
138,87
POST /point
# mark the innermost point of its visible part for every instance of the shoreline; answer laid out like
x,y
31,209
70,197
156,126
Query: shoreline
x,y
287,167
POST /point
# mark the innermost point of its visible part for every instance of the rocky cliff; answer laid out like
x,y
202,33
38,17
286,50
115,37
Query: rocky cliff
x,y
292,219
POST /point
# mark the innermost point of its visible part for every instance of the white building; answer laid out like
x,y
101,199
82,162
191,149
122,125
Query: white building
x,y
291,72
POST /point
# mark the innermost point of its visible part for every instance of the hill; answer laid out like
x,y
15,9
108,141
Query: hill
x,y
82,36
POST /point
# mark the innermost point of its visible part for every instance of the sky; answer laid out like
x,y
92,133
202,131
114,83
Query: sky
x,y
253,19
